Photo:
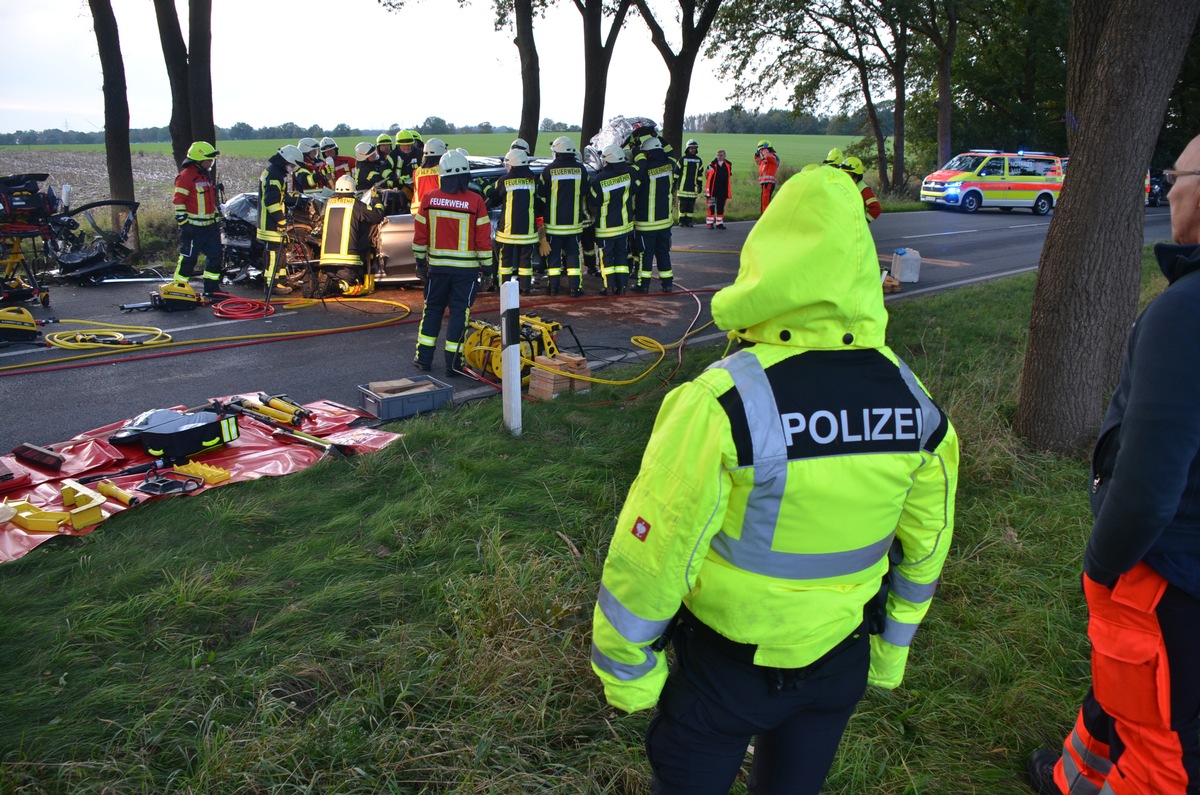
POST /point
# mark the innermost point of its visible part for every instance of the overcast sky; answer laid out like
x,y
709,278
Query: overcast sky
x,y
276,61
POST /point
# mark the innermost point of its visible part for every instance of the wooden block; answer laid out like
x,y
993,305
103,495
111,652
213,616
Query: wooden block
x,y
539,392
546,361
572,360
398,385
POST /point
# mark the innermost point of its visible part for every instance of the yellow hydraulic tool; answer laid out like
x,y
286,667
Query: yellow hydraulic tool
x,y
481,348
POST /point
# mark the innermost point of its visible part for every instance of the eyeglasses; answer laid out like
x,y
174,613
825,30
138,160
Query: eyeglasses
x,y
1171,175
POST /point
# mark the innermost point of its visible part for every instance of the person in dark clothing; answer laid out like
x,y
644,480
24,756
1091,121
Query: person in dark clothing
x,y
517,232
1138,730
610,195
653,201
273,200
718,189
346,241
691,181
562,188
195,202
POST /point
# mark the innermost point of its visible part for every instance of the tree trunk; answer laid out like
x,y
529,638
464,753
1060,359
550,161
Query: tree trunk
x,y
597,56
176,59
945,95
1090,269
116,112
531,89
199,76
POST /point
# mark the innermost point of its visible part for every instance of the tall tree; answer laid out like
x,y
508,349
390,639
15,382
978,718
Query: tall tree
x,y
200,70
189,72
116,111
176,58
1089,273
695,19
598,48
937,21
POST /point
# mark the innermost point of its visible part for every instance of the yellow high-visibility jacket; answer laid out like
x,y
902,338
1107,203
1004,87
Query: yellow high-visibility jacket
x,y
775,485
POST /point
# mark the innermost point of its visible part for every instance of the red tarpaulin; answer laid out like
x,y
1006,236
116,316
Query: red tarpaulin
x,y
259,451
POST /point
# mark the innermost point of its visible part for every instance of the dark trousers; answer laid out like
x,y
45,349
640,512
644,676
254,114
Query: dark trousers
x,y
656,250
564,256
197,240
446,287
614,263
713,705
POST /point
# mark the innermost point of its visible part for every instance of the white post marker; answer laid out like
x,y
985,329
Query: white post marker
x,y
510,354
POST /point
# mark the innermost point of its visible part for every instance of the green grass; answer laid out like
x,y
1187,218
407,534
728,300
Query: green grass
x,y
417,620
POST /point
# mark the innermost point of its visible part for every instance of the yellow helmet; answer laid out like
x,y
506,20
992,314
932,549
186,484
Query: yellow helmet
x,y
201,150
383,138
834,157
764,144
853,165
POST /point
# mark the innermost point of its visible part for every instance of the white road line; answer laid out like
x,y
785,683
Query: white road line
x,y
940,234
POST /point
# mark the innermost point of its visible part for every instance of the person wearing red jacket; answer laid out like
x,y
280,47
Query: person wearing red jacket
x,y
768,163
452,241
336,166
196,213
718,188
854,167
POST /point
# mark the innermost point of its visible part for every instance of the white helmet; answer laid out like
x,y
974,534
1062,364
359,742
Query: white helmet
x,y
292,154
613,154
328,143
563,145
436,147
453,163
651,143
516,157
519,144
691,142
307,146
344,184
463,152
363,150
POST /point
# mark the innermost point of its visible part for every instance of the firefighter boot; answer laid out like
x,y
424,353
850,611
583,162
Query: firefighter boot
x,y
1040,769
554,286
668,285
523,284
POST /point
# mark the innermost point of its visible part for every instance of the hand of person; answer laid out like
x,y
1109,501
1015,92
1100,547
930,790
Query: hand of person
x,y
422,269
181,218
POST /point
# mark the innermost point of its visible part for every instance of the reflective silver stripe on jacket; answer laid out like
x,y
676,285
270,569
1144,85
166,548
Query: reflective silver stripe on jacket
x,y
930,415
915,592
898,633
752,552
623,671
632,627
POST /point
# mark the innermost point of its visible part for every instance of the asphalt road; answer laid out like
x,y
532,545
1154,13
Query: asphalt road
x,y
63,398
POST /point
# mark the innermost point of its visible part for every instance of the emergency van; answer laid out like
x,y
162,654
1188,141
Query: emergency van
x,y
991,178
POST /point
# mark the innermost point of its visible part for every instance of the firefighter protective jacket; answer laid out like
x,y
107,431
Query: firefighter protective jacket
x,y
871,204
305,179
452,230
426,178
562,188
718,179
373,173
768,163
690,176
346,231
516,193
272,191
611,195
775,484
196,195
653,190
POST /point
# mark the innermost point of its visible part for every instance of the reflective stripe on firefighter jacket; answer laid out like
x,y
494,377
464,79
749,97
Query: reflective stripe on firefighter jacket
x,y
425,180
304,179
562,187
870,202
516,194
768,163
691,177
775,484
272,190
453,230
196,195
373,173
653,189
610,193
343,165
343,237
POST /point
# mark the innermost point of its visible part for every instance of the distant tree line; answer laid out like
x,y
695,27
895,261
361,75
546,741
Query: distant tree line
x,y
783,122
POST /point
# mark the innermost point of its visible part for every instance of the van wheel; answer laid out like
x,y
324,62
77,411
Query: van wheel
x,y
1042,205
971,202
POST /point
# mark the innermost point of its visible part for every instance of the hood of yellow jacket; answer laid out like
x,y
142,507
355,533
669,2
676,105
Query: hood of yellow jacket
x,y
809,275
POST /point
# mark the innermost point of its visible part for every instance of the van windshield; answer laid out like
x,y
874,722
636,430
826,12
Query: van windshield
x,y
964,163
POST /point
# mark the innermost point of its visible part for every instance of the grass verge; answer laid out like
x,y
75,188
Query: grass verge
x,y
418,620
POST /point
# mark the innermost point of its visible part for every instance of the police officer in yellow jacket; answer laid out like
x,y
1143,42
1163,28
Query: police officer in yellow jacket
x,y
793,511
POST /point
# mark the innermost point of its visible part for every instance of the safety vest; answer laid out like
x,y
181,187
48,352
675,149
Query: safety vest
x,y
337,232
516,194
425,180
196,195
611,191
768,164
562,186
453,230
272,189
653,187
691,177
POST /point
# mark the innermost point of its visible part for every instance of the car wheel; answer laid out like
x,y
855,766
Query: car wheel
x,y
971,202
1042,205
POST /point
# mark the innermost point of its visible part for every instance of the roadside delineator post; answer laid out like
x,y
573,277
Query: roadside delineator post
x,y
510,354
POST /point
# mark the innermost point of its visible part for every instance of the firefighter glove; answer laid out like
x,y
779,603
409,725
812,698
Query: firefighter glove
x,y
543,242
422,270
181,218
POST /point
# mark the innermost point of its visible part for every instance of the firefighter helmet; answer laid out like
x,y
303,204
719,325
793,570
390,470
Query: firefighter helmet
x,y
201,150
344,184
516,157
613,154
653,142
363,150
292,154
764,144
853,165
452,163
462,151
404,138
563,145
328,143
383,138
519,143
436,147
833,158
692,144
308,146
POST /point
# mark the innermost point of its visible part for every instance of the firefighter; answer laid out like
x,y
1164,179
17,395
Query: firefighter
x,y
653,199
519,143
383,145
373,171
427,175
610,194
336,165
518,230
779,491
309,176
562,187
854,167
691,181
834,158
1138,730
452,240
718,189
767,161
346,238
196,211
273,200
408,157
